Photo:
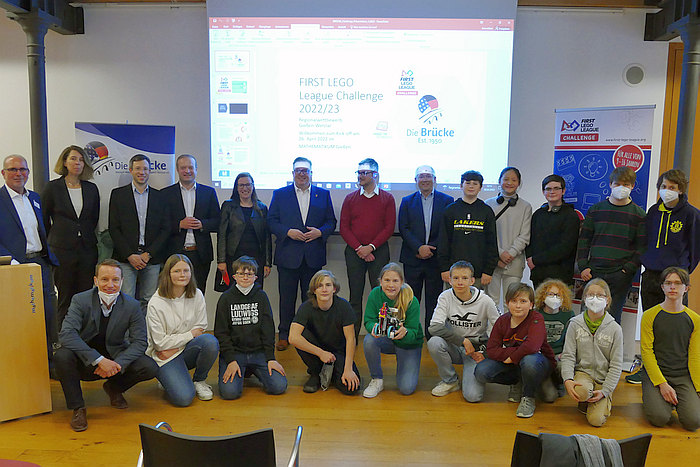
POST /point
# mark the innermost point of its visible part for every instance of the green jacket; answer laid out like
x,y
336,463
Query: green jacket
x,y
414,338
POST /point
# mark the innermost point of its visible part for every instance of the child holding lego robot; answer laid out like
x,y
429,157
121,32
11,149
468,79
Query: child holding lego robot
x,y
392,320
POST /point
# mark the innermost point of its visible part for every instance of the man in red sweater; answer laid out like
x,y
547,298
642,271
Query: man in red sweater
x,y
367,220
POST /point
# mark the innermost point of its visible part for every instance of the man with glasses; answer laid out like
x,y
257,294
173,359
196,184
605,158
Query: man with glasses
x,y
23,236
420,216
139,229
301,217
554,232
367,220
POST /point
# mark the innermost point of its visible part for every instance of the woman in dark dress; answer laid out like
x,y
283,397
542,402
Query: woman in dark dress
x,y
243,230
71,209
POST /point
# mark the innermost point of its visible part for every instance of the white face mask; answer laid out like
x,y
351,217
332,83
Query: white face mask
x,y
107,298
595,304
552,302
621,192
668,196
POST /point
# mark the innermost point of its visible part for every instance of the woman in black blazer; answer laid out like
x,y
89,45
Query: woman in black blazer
x,y
71,208
243,229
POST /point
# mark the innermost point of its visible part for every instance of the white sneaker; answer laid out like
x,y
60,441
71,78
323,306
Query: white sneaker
x,y
443,388
373,388
203,390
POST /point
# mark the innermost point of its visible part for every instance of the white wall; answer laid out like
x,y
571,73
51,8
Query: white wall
x,y
149,65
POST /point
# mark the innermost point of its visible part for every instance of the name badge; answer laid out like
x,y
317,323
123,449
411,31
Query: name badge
x,y
36,205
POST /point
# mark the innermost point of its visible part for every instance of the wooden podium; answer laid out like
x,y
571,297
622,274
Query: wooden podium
x,y
23,361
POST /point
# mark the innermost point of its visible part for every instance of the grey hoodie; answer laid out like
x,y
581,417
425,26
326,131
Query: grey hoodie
x,y
453,319
599,355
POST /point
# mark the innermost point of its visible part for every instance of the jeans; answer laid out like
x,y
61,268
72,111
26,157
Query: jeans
x,y
71,371
143,281
407,362
531,370
445,356
357,267
275,383
619,283
200,353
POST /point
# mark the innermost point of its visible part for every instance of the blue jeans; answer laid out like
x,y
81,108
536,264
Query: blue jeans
x,y
200,353
143,281
407,362
275,383
445,356
531,370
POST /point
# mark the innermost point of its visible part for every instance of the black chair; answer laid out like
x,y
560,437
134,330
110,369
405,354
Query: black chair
x,y
162,448
527,450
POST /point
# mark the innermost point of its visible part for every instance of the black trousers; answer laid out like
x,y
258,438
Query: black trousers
x,y
314,365
291,280
201,268
71,371
428,273
357,268
73,275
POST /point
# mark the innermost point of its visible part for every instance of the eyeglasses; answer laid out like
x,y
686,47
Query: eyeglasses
x,y
552,189
301,171
425,176
364,173
673,284
245,274
597,295
14,170
245,185
552,294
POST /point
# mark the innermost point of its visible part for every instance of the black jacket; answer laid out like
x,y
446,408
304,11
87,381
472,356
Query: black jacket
x,y
244,323
553,241
65,230
231,230
206,209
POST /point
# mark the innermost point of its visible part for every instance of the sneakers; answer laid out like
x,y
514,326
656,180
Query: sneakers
x,y
526,409
443,388
313,384
79,420
373,388
203,390
116,399
516,392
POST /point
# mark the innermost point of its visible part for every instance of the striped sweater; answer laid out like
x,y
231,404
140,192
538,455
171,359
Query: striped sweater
x,y
612,238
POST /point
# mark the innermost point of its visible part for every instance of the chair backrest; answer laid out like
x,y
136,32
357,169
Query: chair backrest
x,y
162,448
294,456
527,450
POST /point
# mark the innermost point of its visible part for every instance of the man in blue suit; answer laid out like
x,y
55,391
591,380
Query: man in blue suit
x,y
301,217
23,236
420,215
103,336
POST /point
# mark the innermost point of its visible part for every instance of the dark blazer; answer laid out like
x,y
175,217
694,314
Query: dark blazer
x,y
82,323
124,224
12,240
231,230
206,209
64,227
285,214
412,225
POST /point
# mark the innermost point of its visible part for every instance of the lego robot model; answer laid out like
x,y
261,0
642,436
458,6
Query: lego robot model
x,y
388,322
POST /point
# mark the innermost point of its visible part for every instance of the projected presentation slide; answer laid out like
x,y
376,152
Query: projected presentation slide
x,y
403,91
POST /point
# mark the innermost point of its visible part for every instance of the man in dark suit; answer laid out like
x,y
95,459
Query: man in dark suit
x,y
138,225
23,236
194,213
420,215
301,217
94,343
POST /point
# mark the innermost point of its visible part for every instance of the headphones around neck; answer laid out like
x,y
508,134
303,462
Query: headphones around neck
x,y
511,201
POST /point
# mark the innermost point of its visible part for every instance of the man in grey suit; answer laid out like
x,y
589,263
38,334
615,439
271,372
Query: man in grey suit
x,y
94,345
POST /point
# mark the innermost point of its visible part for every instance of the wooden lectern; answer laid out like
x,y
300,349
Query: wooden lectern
x,y
23,360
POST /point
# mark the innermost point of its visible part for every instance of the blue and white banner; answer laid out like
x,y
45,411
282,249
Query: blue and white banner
x,y
111,145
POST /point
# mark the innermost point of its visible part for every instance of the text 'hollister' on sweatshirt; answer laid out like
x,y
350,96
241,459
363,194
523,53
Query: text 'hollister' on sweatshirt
x,y
244,323
455,320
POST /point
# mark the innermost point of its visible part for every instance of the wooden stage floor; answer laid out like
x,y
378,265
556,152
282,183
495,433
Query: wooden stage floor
x,y
338,430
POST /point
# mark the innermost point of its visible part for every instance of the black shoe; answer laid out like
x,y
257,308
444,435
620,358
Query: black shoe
x,y
79,420
313,384
116,399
